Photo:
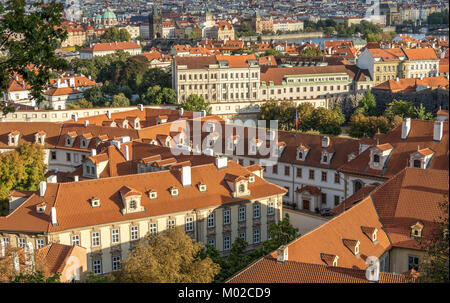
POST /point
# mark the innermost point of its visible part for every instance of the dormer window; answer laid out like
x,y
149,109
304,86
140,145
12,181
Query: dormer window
x,y
13,138
174,191
95,202
300,155
202,187
40,208
251,179
376,158
417,163
152,195
68,141
352,245
325,159
40,137
416,230
241,188
131,200
371,233
133,204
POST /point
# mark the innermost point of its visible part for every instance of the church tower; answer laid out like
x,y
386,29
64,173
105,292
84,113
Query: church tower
x,y
155,23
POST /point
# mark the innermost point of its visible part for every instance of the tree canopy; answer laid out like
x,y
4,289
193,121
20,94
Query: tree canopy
x,y
196,103
170,257
113,34
29,35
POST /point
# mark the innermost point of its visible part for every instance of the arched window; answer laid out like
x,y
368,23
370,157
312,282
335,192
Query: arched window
x,y
376,158
357,186
300,155
417,163
241,188
133,204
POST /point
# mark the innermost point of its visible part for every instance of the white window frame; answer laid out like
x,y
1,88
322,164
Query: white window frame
x,y
271,208
97,266
189,224
95,239
21,242
226,243
256,211
115,263
256,236
212,242
115,236
226,216
211,220
134,232
153,228
242,213
171,223
243,235
40,243
76,240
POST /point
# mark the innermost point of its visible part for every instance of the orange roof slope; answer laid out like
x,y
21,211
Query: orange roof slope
x,y
328,239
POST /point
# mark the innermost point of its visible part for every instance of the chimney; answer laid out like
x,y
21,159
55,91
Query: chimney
x,y
406,128
52,179
186,175
108,114
325,142
93,152
126,152
42,188
140,107
438,130
397,79
75,117
181,111
282,254
221,162
53,214
203,113
76,178
86,123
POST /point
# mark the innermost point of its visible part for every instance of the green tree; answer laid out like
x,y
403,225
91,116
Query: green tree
x,y
95,96
326,121
113,34
272,52
157,95
311,52
39,28
399,108
434,267
120,100
32,160
12,170
36,277
368,105
153,77
170,257
281,234
419,112
131,72
196,103
81,103
367,126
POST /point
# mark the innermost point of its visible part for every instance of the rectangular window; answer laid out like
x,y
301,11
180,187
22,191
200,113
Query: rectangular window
x,y
115,236
211,222
76,240
68,157
134,233
95,239
153,228
21,242
413,262
53,155
256,236
189,224
243,236
97,266
212,242
115,263
242,214
256,211
226,243
171,223
324,198
275,169
287,171
311,174
270,209
337,200
227,216
299,172
337,179
324,176
6,241
40,243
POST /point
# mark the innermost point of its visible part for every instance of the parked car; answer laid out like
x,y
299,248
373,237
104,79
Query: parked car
x,y
326,212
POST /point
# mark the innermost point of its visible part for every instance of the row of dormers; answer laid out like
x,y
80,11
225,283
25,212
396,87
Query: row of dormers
x,y
351,244
14,137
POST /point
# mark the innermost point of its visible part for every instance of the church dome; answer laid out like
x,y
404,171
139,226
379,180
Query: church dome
x,y
109,15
